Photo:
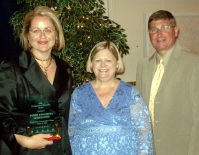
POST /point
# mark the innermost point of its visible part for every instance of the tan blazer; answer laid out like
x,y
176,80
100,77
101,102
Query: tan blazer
x,y
176,109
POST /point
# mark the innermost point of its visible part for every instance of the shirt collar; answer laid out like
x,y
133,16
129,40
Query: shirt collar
x,y
165,58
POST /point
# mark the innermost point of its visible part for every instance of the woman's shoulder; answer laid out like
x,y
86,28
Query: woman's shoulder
x,y
129,88
9,62
84,87
126,85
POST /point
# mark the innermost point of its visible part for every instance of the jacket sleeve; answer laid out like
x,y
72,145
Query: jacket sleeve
x,y
8,96
194,100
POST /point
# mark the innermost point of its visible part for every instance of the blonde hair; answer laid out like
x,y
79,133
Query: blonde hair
x,y
42,11
112,48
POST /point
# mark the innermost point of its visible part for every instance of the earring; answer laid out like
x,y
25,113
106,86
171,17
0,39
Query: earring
x,y
29,46
56,44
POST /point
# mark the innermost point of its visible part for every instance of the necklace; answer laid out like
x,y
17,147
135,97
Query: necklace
x,y
45,69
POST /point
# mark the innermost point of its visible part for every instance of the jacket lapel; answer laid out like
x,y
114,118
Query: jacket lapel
x,y
35,76
148,70
62,76
171,66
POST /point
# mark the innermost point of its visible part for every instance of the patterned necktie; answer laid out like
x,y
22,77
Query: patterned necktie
x,y
154,88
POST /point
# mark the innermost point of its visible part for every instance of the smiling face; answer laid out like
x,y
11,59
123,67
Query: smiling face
x,y
104,65
42,34
162,41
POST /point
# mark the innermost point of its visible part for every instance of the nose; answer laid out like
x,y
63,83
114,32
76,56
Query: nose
x,y
103,63
159,32
42,34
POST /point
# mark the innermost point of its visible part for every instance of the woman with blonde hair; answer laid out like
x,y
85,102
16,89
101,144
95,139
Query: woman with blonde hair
x,y
108,116
35,90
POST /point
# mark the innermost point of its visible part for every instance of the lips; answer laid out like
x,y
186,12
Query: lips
x,y
103,70
160,39
43,42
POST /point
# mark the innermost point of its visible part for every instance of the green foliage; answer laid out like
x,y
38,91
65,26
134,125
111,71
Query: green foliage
x,y
84,25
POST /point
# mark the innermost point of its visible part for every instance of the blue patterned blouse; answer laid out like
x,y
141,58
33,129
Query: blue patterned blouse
x,y
122,128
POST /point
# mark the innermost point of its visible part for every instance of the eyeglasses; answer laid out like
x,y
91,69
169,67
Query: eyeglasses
x,y
163,28
47,31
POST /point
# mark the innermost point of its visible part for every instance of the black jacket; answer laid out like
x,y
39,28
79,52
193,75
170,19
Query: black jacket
x,y
19,77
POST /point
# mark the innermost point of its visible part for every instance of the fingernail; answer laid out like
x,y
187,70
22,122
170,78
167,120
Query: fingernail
x,y
51,134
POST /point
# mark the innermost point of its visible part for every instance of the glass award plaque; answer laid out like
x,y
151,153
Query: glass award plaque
x,y
42,116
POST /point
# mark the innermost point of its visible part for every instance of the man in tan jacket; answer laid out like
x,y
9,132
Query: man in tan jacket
x,y
176,104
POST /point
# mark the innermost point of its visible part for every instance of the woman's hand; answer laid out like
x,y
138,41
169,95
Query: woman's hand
x,y
34,142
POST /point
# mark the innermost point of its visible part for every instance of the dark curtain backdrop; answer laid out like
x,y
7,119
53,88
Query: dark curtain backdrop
x,y
9,46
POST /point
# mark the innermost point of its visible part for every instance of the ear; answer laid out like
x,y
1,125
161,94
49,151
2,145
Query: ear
x,y
177,30
117,66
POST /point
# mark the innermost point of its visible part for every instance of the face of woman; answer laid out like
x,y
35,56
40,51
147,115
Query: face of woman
x,y
42,34
104,65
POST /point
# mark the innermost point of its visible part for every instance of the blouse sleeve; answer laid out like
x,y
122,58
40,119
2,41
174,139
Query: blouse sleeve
x,y
72,116
141,121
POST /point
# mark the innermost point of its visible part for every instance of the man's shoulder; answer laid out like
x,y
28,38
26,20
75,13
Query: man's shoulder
x,y
190,56
146,59
184,52
190,53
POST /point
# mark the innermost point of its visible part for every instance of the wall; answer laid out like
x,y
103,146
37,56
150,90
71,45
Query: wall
x,y
130,14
